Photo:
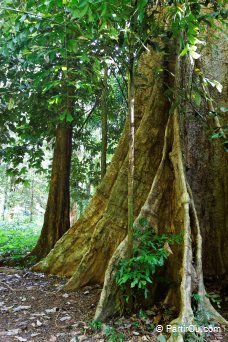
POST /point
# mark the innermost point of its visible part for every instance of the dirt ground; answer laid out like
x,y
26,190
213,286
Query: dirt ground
x,y
34,308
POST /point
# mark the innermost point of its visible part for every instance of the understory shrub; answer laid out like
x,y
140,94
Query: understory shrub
x,y
150,251
17,238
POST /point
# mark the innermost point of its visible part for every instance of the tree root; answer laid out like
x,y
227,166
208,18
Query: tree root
x,y
109,302
185,218
189,282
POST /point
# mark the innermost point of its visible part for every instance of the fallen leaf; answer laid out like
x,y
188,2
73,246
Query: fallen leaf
x,y
65,318
21,338
38,323
13,332
39,314
6,308
167,248
21,307
136,333
157,319
51,310
17,276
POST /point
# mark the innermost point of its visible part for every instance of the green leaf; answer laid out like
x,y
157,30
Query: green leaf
x,y
224,109
69,117
62,116
11,103
91,15
141,9
197,98
215,136
184,51
104,11
72,45
80,12
218,86
134,282
22,19
83,3
214,83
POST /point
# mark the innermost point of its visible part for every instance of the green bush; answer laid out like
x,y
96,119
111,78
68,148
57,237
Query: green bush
x,y
149,253
17,238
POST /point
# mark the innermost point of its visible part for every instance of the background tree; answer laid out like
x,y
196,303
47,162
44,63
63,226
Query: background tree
x,y
48,56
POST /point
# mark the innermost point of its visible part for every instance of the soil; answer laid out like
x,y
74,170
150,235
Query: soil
x,y
34,308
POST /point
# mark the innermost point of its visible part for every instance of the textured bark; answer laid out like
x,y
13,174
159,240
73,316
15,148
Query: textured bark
x,y
131,153
103,226
178,187
6,195
73,214
104,124
31,202
57,219
171,203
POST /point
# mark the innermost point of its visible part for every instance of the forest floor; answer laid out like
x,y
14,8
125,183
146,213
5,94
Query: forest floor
x,y
32,308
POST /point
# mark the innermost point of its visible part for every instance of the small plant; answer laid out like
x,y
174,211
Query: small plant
x,y
110,333
214,298
143,314
202,317
114,336
136,324
150,251
194,337
95,325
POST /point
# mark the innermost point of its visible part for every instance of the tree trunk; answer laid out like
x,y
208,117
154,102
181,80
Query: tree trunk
x,y
73,214
99,231
104,124
179,188
131,153
31,201
6,195
57,218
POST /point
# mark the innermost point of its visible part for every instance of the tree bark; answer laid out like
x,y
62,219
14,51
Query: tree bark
x,y
104,124
131,153
57,218
178,187
99,231
5,204
31,201
73,214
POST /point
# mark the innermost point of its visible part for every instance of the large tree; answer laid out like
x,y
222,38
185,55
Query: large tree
x,y
179,179
43,58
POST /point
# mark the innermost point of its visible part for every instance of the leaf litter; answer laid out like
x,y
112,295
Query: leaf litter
x,y
34,309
